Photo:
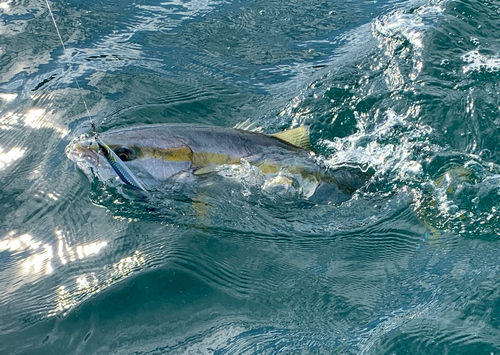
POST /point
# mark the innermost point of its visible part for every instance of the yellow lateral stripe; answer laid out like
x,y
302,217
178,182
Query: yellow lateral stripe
x,y
186,154
171,154
207,158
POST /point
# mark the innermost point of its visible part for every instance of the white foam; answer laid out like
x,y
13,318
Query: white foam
x,y
478,62
374,149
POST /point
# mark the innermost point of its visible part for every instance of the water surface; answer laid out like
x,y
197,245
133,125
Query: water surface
x,y
406,89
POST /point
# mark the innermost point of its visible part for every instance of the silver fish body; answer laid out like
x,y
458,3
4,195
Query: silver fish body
x,y
157,153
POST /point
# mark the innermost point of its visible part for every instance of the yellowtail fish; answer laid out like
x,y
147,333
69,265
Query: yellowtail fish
x,y
151,155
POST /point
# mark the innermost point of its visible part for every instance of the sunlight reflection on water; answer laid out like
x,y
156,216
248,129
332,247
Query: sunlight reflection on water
x,y
88,284
8,97
6,158
41,259
44,258
35,118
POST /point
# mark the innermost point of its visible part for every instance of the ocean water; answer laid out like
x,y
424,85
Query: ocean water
x,y
406,89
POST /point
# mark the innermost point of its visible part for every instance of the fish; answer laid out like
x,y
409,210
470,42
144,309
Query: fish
x,y
149,156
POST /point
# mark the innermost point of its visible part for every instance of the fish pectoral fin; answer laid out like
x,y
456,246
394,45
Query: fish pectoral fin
x,y
298,137
206,170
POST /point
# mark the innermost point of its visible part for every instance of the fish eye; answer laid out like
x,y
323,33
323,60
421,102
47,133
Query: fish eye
x,y
124,153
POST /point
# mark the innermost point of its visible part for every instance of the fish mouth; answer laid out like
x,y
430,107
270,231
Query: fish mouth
x,y
80,151
84,153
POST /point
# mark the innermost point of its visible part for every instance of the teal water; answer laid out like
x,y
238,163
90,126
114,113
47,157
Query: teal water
x,y
406,89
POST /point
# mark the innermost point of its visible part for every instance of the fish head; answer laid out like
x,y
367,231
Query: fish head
x,y
150,154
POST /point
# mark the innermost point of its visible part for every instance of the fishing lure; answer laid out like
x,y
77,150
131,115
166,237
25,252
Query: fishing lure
x,y
116,163
119,166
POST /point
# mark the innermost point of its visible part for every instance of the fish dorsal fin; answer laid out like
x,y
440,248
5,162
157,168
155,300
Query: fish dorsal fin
x,y
298,137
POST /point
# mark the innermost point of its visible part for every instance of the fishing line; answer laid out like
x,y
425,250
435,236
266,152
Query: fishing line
x,y
116,163
76,81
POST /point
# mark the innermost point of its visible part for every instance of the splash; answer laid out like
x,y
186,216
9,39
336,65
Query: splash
x,y
476,62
